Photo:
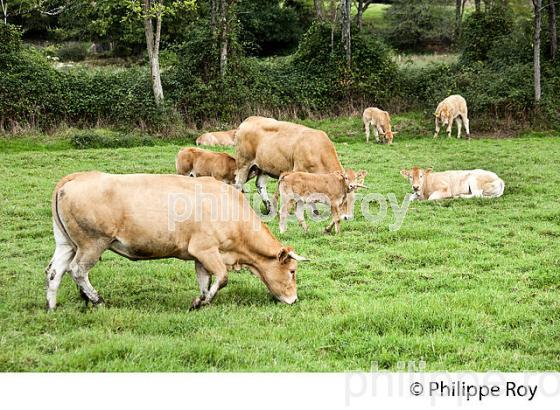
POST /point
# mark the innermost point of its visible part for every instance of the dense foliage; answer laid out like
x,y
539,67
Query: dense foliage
x,y
494,71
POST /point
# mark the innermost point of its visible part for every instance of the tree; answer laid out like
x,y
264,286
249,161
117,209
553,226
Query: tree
x,y
23,7
152,13
552,32
537,8
477,5
225,27
318,5
362,7
459,11
346,30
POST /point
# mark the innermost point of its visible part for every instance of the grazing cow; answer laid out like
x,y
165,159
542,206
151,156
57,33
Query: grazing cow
x,y
303,187
225,138
273,147
452,108
142,216
381,121
476,183
196,162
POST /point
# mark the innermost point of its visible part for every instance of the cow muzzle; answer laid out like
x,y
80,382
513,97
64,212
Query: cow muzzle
x,y
288,300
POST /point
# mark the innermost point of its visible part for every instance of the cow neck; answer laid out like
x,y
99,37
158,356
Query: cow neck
x,y
264,244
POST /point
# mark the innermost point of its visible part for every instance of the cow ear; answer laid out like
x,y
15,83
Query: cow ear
x,y
284,255
362,174
405,173
428,170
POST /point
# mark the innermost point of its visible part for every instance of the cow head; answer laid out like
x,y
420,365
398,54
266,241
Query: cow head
x,y
444,115
417,178
280,275
389,135
355,181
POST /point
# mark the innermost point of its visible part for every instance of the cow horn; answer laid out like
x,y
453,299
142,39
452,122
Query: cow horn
x,y
295,256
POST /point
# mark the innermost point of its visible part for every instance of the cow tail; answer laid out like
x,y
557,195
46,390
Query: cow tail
x,y
56,210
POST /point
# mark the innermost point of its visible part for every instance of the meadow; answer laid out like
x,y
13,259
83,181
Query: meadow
x,y
462,285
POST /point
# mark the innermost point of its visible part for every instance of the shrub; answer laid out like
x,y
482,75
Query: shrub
x,y
484,31
419,24
73,52
10,38
103,138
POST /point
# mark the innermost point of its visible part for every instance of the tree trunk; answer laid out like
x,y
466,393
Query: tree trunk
x,y
552,29
360,14
459,9
224,37
537,5
477,5
152,44
213,15
346,30
318,9
4,4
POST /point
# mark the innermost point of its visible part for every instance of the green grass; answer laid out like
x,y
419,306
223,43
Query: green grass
x,y
463,285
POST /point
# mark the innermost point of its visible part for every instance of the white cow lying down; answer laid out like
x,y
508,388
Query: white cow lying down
x,y
476,183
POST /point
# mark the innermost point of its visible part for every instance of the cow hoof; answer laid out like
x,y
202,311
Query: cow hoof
x,y
196,303
99,302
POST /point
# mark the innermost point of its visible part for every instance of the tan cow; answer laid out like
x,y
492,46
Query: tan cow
x,y
476,183
452,108
381,121
141,216
273,147
305,188
196,162
225,138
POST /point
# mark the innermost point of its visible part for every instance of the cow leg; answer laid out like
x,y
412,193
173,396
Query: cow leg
x,y
466,124
242,176
59,265
367,131
335,220
300,215
437,128
449,125
438,195
211,261
261,188
80,266
459,125
376,133
284,211
204,281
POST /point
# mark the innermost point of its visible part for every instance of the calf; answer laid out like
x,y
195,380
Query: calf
x,y
224,138
476,183
196,162
381,121
452,108
302,187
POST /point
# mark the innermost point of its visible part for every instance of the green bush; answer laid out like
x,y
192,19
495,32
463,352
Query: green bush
x,y
10,38
484,31
103,138
419,24
73,52
33,92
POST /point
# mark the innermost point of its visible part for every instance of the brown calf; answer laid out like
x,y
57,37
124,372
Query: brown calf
x,y
303,187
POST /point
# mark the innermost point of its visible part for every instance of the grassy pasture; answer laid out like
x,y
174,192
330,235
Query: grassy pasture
x,y
463,285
